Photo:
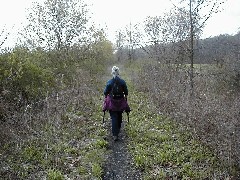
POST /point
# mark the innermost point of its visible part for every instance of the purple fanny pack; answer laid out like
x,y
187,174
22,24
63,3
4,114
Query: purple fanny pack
x,y
111,104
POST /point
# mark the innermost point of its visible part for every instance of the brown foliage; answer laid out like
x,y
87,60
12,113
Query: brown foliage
x,y
212,112
31,121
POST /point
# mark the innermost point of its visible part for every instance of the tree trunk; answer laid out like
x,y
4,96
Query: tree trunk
x,y
191,49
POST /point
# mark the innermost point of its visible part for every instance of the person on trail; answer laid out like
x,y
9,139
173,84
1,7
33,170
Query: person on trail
x,y
116,93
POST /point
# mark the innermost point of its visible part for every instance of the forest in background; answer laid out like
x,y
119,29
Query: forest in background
x,y
51,84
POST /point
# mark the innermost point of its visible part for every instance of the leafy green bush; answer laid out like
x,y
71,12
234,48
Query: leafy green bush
x,y
19,76
34,81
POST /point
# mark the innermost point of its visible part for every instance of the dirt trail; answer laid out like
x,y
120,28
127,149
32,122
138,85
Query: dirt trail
x,y
119,163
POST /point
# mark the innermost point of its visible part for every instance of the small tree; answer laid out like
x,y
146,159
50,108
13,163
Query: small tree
x,y
197,9
168,34
154,31
3,36
120,45
56,24
129,38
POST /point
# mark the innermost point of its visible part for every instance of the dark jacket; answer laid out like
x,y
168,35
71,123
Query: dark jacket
x,y
110,83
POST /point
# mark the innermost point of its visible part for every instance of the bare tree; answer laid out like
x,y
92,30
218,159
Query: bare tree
x,y
57,24
199,12
120,43
168,34
154,31
3,36
128,38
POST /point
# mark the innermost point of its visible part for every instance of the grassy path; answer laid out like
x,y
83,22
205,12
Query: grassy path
x,y
119,163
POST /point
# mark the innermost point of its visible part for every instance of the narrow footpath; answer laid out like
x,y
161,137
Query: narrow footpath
x,y
119,163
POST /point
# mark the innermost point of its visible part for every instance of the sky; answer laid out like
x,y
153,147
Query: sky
x,y
116,14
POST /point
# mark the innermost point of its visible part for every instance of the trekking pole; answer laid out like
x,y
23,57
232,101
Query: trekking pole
x,y
103,116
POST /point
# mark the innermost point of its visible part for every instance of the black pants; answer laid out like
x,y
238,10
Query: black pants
x,y
116,117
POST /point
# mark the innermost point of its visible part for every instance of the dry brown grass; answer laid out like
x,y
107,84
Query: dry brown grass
x,y
58,134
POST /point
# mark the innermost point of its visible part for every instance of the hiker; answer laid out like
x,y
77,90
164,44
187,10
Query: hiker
x,y
115,102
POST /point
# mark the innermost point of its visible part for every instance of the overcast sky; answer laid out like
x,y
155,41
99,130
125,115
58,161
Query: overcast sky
x,y
116,14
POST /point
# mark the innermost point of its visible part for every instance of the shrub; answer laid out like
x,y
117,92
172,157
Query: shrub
x,y
20,77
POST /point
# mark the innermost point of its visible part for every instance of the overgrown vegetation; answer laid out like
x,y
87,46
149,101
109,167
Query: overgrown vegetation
x,y
51,84
49,103
202,115
164,149
194,81
22,76
50,120
57,135
50,123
